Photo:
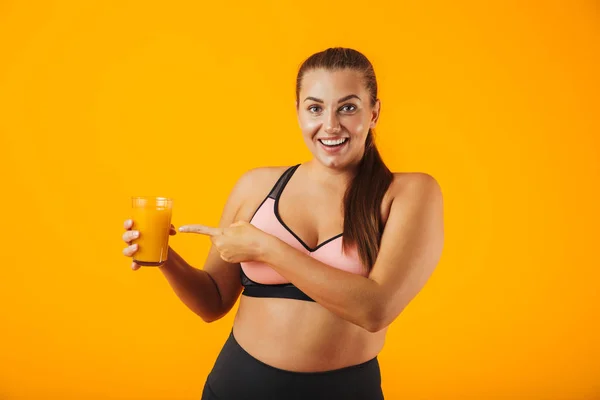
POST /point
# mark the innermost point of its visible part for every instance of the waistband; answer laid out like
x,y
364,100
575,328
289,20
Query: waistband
x,y
336,371
237,375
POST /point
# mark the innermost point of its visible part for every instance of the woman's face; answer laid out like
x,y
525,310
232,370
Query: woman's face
x,y
335,114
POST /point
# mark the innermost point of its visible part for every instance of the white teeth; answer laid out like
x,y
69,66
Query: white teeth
x,y
333,142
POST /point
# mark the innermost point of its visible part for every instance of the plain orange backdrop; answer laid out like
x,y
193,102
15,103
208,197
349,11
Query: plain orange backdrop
x,y
102,100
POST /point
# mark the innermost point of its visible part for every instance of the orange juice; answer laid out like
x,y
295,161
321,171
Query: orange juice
x,y
152,218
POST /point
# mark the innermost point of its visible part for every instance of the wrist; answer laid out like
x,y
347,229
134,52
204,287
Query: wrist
x,y
171,262
268,249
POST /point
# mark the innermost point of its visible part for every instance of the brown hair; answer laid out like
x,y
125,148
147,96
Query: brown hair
x,y
362,201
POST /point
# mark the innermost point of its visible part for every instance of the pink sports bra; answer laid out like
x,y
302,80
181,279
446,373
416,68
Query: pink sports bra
x,y
260,280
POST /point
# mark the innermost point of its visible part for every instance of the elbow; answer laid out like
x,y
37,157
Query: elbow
x,y
378,315
213,315
210,318
374,325
207,319
375,319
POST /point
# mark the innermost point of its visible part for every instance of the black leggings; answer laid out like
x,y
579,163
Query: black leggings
x,y
237,375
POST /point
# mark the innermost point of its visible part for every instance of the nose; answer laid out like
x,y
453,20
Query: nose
x,y
332,123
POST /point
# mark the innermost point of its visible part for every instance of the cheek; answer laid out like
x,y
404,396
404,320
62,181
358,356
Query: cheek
x,y
356,126
359,128
310,126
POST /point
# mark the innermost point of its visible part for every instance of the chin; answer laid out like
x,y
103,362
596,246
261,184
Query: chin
x,y
333,162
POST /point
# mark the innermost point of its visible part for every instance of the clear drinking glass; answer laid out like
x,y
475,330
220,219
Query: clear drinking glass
x,y
152,218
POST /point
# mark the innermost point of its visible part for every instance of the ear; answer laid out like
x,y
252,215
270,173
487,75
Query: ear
x,y
375,114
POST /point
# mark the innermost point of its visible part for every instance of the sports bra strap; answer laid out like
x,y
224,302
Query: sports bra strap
x,y
282,181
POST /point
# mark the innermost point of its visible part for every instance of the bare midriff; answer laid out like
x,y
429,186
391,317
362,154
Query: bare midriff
x,y
302,336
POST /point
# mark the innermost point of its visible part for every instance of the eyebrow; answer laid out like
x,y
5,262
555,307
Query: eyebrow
x,y
351,96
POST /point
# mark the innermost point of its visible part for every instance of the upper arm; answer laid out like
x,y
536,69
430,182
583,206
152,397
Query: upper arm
x,y
411,244
245,194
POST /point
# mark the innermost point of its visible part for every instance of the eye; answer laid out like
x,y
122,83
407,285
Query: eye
x,y
312,109
348,108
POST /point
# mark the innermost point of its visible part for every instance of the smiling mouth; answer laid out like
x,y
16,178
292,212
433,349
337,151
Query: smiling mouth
x,y
333,143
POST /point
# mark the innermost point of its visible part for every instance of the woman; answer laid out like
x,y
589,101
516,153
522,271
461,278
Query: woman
x,y
316,303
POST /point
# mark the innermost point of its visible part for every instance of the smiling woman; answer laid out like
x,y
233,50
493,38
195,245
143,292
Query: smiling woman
x,y
316,303
347,122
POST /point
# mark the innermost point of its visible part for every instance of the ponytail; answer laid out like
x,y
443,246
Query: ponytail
x,y
362,201
363,225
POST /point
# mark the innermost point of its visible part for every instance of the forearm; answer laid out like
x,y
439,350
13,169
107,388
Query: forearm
x,y
352,297
194,287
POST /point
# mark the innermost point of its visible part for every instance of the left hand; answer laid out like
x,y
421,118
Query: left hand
x,y
240,242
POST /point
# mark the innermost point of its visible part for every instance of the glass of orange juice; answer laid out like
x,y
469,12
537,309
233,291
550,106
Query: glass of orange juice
x,y
152,218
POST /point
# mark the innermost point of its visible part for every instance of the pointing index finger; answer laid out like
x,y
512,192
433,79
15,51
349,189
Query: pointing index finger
x,y
201,229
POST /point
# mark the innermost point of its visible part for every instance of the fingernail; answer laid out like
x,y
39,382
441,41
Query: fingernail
x,y
136,234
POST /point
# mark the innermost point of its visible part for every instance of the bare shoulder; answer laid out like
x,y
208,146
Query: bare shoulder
x,y
415,210
252,188
407,189
414,183
415,192
261,176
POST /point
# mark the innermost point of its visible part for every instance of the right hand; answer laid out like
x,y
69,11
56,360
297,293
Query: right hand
x,y
130,235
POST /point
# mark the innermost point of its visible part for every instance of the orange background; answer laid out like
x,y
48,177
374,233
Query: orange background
x,y
101,100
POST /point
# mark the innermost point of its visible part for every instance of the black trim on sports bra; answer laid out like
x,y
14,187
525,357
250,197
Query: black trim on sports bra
x,y
279,290
283,290
276,189
280,186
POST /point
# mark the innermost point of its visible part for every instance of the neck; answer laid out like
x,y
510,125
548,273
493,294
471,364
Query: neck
x,y
333,177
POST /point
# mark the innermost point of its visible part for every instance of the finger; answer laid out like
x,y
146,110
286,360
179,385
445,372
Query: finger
x,y
128,236
130,250
201,229
135,266
128,224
